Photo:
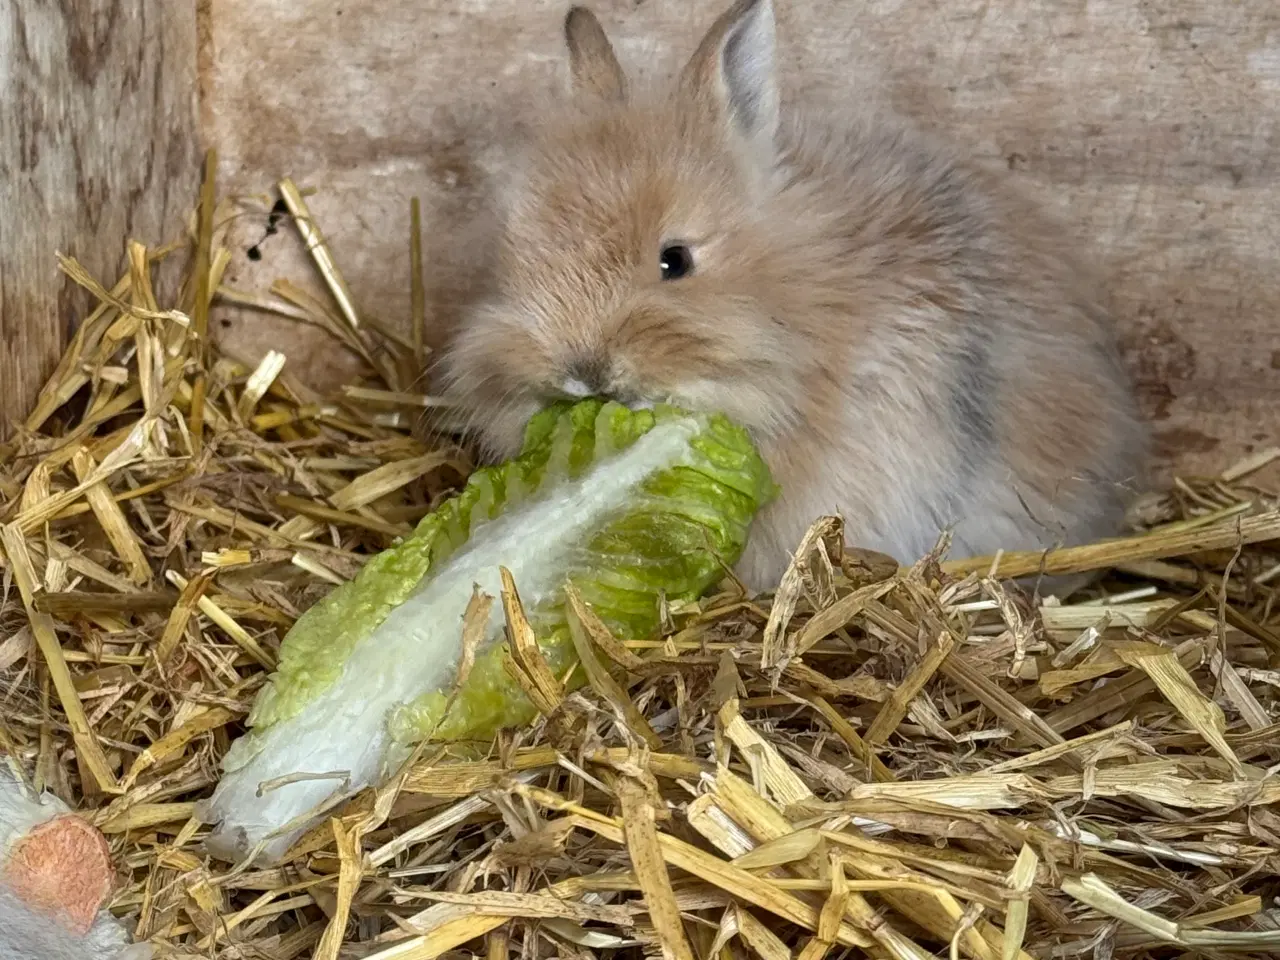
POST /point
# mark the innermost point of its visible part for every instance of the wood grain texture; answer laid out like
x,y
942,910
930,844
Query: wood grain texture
x,y
1152,128
98,144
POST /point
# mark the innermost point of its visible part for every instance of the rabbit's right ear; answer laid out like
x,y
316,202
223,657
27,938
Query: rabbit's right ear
x,y
732,78
593,67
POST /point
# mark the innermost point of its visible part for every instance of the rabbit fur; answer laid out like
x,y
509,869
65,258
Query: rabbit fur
x,y
908,338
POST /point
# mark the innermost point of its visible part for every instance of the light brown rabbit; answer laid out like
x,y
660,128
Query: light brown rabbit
x,y
904,336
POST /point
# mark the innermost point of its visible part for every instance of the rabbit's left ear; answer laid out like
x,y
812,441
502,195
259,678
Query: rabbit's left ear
x,y
593,67
733,75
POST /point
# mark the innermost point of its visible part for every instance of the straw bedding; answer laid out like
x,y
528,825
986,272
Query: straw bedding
x,y
898,762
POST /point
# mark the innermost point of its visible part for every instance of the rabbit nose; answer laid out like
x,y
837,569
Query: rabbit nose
x,y
585,377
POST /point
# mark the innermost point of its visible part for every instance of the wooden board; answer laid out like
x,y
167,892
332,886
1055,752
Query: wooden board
x,y
98,144
1153,128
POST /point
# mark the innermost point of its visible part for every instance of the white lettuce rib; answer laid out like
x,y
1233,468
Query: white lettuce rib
x,y
416,648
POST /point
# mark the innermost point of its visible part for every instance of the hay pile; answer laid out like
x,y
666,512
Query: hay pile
x,y
893,762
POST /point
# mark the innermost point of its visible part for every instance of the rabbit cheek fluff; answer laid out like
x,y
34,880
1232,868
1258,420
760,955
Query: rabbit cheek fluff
x,y
902,335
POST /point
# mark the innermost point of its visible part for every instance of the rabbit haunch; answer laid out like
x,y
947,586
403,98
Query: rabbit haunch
x,y
903,334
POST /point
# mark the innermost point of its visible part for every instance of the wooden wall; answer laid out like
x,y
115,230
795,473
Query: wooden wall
x,y
1153,127
98,144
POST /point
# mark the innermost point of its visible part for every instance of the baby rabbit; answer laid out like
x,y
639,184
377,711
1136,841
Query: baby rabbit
x,y
904,337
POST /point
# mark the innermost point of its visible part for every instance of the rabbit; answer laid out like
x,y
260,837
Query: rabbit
x,y
905,336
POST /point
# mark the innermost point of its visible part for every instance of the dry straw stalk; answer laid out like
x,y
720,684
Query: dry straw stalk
x,y
892,762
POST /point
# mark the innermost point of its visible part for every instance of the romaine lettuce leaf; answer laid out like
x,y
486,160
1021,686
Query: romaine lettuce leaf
x,y
628,506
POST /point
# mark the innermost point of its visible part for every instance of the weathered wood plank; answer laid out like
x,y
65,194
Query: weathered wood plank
x,y
1153,127
98,144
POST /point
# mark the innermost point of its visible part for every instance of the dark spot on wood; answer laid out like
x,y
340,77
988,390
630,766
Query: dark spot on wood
x,y
1275,359
1177,441
1154,400
1161,361
89,34
1233,172
450,163
73,301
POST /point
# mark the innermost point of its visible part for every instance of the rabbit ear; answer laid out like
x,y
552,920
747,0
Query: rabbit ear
x,y
593,67
734,75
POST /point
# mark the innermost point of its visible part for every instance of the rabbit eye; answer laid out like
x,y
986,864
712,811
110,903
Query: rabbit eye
x,y
676,262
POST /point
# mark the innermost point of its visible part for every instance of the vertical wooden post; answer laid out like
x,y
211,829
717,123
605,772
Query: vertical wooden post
x,y
98,144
